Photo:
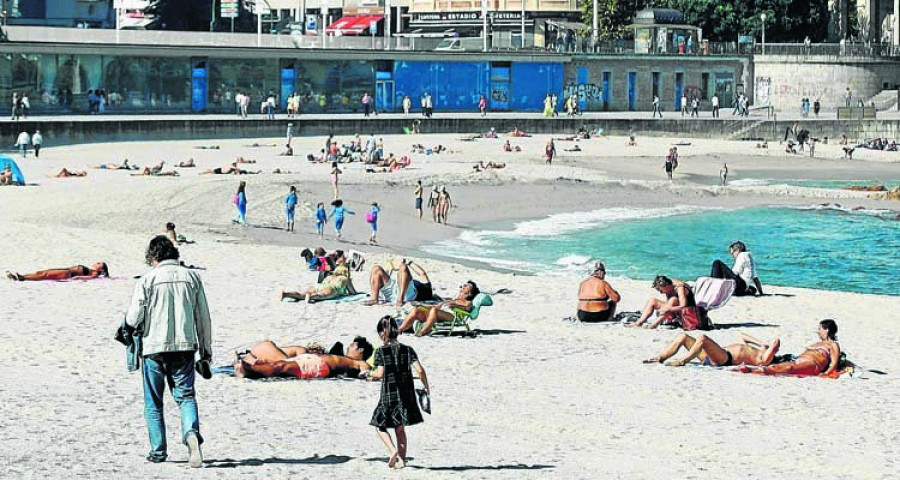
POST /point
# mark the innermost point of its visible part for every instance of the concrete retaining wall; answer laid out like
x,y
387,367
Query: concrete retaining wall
x,y
115,130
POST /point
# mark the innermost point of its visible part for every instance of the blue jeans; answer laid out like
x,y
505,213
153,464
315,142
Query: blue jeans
x,y
176,369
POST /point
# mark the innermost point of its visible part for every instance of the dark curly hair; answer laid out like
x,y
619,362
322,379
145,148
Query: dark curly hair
x,y
160,249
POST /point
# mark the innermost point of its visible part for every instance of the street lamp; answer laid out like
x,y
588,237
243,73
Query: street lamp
x,y
762,16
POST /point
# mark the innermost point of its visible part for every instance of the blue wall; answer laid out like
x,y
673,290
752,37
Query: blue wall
x,y
531,82
454,86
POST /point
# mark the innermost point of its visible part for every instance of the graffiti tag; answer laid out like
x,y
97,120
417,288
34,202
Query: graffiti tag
x,y
584,91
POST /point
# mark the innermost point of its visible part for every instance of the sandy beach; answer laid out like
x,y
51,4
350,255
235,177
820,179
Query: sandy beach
x,y
530,397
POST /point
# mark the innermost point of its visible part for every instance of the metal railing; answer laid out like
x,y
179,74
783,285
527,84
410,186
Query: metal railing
x,y
846,49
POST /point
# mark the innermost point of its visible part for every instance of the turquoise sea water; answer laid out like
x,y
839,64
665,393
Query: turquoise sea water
x,y
831,184
814,247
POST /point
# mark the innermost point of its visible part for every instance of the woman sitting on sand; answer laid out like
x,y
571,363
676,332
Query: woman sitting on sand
x,y
507,147
336,285
442,311
596,298
65,173
153,172
678,298
820,358
749,351
187,164
77,272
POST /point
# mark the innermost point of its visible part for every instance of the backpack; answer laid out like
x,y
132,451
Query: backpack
x,y
370,217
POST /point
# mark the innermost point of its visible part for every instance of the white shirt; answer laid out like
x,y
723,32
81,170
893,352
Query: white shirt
x,y
24,139
37,139
715,101
744,267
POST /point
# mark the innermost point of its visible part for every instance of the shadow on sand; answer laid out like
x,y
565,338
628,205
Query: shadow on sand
x,y
726,326
464,468
256,462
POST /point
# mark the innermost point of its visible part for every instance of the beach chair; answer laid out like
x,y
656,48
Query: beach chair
x,y
461,318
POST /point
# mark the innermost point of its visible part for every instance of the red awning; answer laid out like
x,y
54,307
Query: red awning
x,y
353,25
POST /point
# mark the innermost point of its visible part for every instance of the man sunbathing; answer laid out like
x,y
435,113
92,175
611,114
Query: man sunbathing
x,y
430,314
115,166
387,287
189,163
749,351
266,359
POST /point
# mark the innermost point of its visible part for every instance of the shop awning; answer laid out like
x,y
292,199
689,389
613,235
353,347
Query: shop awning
x,y
353,25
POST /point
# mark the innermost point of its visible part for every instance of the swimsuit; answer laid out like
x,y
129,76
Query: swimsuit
x,y
594,317
310,366
729,361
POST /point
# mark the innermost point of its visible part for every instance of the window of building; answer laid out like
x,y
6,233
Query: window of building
x,y
704,86
655,84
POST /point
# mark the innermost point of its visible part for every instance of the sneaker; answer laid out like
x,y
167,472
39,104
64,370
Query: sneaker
x,y
195,456
156,458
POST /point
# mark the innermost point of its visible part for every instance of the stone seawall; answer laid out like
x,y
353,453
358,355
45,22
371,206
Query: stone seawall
x,y
59,132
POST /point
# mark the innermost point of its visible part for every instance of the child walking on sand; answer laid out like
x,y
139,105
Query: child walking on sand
x,y
290,204
337,211
335,171
397,407
240,204
321,218
372,219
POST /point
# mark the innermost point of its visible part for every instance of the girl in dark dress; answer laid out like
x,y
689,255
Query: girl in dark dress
x,y
397,407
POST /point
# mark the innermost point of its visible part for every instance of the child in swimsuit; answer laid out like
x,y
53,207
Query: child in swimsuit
x,y
372,218
321,218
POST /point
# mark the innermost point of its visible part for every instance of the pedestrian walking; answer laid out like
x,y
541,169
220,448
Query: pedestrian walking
x,y
847,96
695,107
736,103
407,105
290,204
26,106
16,106
366,103
656,110
684,105
424,105
397,407
418,196
240,204
444,204
429,104
554,102
338,210
817,106
245,105
549,151
715,106
169,315
482,105
23,140
37,140
335,174
372,220
238,101
723,174
289,133
270,106
433,203
321,219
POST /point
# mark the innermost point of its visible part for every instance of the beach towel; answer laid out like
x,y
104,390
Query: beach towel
x,y
712,293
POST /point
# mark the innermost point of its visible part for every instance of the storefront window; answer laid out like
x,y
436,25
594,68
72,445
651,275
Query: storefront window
x,y
257,78
334,86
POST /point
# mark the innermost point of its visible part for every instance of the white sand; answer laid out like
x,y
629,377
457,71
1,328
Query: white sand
x,y
531,398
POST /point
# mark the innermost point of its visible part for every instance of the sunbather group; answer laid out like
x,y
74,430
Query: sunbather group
x,y
334,279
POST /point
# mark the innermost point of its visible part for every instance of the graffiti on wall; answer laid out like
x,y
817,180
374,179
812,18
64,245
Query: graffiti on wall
x,y
588,92
500,95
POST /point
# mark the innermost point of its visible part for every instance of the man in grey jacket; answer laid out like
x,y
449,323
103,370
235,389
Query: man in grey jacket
x,y
170,305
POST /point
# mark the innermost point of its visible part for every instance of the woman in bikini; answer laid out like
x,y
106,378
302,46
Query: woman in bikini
x,y
596,298
678,297
820,358
266,359
76,272
749,351
336,285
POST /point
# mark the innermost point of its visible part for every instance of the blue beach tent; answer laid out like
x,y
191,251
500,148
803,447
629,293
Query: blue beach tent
x,y
6,160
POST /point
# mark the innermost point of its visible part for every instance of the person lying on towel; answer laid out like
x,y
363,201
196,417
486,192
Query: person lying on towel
x,y
266,360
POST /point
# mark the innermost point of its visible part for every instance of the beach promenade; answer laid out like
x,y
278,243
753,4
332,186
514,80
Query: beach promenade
x,y
76,129
530,397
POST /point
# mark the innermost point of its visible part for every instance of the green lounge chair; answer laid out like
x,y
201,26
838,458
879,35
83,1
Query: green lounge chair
x,y
461,318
